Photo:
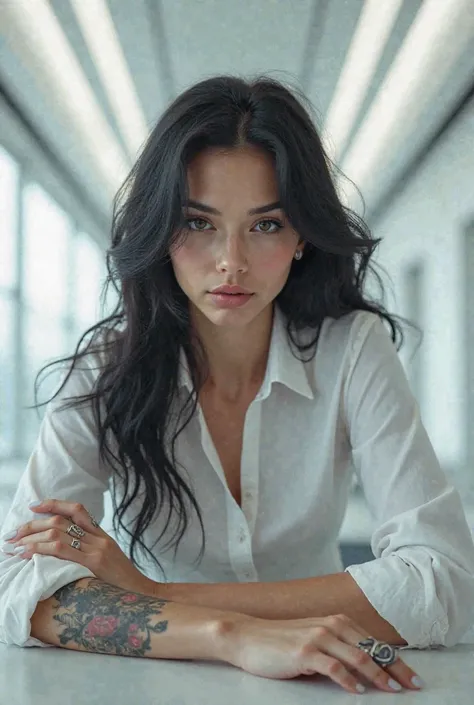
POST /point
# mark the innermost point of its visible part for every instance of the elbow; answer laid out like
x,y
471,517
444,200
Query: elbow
x,y
25,588
458,615
448,590
426,596
445,633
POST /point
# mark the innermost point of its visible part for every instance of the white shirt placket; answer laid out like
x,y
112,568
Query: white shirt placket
x,y
240,522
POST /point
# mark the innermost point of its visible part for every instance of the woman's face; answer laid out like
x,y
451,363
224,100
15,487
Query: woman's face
x,y
231,245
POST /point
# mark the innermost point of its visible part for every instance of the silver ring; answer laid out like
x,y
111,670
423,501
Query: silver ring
x,y
75,530
76,544
382,653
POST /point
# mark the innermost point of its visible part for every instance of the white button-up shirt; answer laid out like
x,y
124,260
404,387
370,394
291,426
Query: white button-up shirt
x,y
309,425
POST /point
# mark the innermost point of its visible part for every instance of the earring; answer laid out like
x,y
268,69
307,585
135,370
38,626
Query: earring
x,y
298,254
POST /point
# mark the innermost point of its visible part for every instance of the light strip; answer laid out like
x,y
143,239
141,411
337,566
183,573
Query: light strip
x,y
438,36
43,48
100,35
370,36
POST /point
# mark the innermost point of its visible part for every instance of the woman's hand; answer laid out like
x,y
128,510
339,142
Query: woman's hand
x,y
98,552
289,648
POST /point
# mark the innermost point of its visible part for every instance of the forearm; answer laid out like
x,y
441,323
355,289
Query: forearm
x,y
290,599
90,615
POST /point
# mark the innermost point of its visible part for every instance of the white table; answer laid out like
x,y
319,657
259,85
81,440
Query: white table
x,y
57,676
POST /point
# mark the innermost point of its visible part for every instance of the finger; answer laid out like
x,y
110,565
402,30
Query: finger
x,y
320,662
359,660
50,536
347,630
40,525
55,548
405,675
71,510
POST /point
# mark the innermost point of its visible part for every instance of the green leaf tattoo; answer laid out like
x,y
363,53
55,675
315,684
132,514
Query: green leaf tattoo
x,y
106,619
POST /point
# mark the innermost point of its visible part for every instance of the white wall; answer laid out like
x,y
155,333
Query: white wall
x,y
426,222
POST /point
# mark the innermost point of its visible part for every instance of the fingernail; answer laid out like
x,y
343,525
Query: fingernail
x,y
35,504
360,688
418,682
394,685
19,549
11,535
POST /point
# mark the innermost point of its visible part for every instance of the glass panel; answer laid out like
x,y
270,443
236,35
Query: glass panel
x,y
7,376
89,277
8,220
45,260
45,339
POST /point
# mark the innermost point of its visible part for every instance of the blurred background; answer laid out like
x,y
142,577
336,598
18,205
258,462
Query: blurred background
x,y
82,83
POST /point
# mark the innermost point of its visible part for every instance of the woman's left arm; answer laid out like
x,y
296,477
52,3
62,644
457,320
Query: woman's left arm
x,y
422,578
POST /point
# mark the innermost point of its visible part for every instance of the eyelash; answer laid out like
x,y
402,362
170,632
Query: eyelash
x,y
264,220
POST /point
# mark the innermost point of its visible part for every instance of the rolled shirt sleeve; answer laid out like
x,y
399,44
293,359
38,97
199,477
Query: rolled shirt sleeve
x,y
65,465
422,578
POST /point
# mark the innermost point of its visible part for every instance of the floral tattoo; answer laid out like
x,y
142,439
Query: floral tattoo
x,y
106,619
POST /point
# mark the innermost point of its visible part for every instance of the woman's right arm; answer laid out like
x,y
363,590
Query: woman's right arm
x,y
64,464
91,615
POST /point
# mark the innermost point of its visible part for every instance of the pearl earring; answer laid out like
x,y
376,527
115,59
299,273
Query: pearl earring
x,y
298,254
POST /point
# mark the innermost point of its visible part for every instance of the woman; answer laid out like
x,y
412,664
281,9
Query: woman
x,y
244,354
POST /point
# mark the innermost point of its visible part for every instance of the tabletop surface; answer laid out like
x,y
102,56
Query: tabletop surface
x,y
52,676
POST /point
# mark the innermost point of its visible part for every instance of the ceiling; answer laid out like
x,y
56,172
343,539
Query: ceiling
x,y
170,44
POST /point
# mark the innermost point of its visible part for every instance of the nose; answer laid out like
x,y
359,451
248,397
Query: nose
x,y
231,256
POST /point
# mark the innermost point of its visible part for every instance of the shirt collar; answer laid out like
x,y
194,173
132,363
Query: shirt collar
x,y
282,365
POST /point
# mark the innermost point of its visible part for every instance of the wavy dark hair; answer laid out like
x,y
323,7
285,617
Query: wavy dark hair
x,y
138,382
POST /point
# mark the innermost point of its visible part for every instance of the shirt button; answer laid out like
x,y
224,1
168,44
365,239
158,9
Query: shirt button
x,y
247,575
248,495
242,537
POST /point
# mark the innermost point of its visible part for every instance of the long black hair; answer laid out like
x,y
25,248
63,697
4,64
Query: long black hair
x,y
150,325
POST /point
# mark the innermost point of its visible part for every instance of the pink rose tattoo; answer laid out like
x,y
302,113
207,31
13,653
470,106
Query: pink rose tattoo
x,y
101,626
107,618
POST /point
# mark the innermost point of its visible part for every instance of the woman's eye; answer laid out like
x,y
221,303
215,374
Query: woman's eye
x,y
268,223
271,221
196,220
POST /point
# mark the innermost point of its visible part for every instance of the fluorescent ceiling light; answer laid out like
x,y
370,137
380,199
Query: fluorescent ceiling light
x,y
438,36
368,42
99,33
43,48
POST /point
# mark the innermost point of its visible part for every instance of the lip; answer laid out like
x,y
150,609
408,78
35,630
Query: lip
x,y
228,289
230,301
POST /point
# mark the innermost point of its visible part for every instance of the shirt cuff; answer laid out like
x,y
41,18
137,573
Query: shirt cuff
x,y
393,589
36,580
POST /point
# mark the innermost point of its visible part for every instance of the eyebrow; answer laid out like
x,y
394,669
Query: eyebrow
x,y
253,211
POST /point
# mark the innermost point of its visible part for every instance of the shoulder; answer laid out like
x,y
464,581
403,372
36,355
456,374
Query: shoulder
x,y
345,336
340,343
352,331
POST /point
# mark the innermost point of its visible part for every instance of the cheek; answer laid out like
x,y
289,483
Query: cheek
x,y
276,260
187,260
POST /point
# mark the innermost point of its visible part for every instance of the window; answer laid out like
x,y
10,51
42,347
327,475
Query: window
x,y
9,174
44,339
7,376
8,221
89,276
45,260
51,276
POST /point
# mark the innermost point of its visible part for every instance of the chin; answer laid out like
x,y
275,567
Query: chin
x,y
235,317
229,317
226,316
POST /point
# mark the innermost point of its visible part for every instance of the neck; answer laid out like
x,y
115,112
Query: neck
x,y
237,356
